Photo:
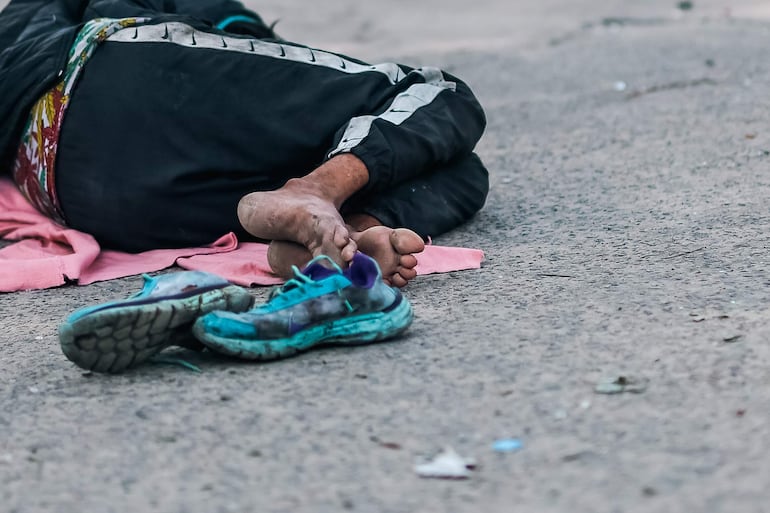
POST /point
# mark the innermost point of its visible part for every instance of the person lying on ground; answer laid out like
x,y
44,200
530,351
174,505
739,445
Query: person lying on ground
x,y
167,123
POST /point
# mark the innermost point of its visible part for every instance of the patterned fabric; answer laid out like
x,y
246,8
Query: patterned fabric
x,y
34,167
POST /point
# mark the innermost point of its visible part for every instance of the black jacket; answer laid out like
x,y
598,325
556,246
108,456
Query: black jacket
x,y
36,36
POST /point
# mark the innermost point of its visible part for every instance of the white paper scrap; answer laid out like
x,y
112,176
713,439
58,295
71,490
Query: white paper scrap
x,y
446,465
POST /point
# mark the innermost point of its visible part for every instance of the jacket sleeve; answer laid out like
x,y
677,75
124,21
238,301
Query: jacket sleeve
x,y
430,119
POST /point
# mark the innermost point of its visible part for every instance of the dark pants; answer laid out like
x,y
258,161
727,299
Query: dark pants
x,y
163,138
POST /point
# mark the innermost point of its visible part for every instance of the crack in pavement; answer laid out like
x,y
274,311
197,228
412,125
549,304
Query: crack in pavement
x,y
609,22
615,22
670,86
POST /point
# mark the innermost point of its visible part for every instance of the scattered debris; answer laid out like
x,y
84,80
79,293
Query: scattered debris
x,y
585,404
387,445
696,317
507,445
361,376
632,22
579,456
752,135
740,413
683,253
612,24
446,465
621,384
555,275
620,86
677,255
161,359
33,390
734,338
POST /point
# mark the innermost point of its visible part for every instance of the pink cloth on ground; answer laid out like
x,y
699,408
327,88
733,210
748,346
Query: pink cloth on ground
x,y
48,254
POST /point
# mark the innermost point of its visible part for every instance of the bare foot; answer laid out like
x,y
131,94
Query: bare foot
x,y
282,255
297,212
393,249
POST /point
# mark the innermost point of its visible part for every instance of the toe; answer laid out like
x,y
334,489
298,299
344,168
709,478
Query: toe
x,y
407,261
407,274
398,281
340,247
341,237
406,241
349,251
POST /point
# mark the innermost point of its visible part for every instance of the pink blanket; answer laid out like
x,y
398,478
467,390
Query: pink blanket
x,y
48,255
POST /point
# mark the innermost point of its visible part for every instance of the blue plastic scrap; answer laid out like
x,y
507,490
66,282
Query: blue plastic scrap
x,y
507,445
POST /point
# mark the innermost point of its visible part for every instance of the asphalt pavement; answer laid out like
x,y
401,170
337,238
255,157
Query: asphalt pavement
x,y
626,238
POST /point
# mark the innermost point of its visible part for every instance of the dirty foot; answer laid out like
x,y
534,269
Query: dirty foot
x,y
282,255
297,213
393,249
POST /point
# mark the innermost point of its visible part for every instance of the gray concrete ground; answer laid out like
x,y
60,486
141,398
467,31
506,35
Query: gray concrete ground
x,y
626,234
